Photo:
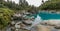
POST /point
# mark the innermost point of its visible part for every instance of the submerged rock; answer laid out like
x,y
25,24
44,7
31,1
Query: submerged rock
x,y
51,22
43,28
57,27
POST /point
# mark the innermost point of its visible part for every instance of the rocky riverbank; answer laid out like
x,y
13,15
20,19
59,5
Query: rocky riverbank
x,y
48,26
22,22
43,26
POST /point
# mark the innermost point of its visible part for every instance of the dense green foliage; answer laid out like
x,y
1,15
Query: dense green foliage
x,y
51,5
5,16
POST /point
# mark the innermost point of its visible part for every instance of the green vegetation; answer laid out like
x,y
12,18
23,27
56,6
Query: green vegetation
x,y
50,5
5,16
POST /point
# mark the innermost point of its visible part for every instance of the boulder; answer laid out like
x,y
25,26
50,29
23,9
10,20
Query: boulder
x,y
27,22
17,15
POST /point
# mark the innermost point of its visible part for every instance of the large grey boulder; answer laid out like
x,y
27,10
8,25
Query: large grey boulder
x,y
27,22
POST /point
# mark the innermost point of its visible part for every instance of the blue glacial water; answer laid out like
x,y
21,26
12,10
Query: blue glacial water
x,y
46,15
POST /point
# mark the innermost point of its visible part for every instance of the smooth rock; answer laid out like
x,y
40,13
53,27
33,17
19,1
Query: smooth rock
x,y
17,15
43,28
51,22
57,27
17,25
27,22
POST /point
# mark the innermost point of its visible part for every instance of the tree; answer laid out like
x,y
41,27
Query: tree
x,y
42,1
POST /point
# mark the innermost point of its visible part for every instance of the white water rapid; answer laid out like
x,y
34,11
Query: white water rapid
x,y
35,22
